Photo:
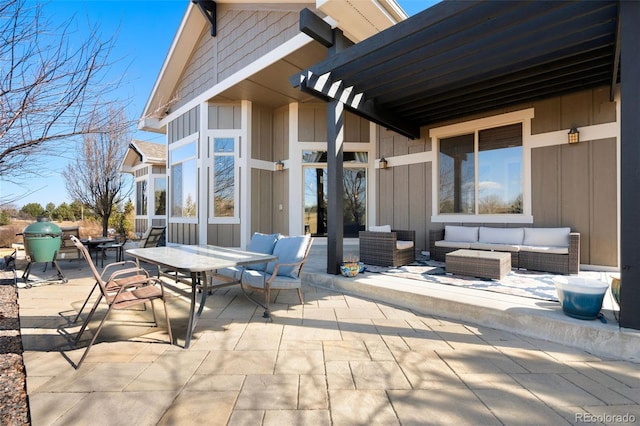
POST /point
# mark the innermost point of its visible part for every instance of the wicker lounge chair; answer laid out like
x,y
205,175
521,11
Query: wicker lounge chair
x,y
382,248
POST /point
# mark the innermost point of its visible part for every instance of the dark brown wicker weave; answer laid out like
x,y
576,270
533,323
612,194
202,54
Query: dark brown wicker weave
x,y
548,262
557,263
477,263
379,248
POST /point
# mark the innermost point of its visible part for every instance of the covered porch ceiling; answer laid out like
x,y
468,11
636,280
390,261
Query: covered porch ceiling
x,y
458,58
267,87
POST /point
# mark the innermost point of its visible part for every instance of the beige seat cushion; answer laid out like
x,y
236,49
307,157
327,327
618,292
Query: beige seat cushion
x,y
453,244
545,249
495,247
401,245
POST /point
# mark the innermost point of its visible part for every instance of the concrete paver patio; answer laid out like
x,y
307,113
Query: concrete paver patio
x,y
337,359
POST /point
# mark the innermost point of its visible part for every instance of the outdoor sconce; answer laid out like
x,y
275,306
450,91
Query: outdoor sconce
x,y
574,135
383,163
279,166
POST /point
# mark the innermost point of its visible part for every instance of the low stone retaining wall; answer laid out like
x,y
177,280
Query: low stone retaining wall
x,y
14,403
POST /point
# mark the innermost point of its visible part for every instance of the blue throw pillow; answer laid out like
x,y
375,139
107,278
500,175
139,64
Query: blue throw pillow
x,y
289,250
262,243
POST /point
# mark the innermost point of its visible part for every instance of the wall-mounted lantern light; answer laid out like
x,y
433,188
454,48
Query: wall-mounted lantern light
x,y
279,166
574,135
383,163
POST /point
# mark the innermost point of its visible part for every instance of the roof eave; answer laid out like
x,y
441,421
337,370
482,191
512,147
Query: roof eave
x,y
178,55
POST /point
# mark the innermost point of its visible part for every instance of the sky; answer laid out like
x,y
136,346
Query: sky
x,y
144,31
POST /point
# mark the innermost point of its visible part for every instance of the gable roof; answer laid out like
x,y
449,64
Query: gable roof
x,y
458,58
142,152
358,19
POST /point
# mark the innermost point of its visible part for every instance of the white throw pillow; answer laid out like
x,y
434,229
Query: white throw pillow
x,y
381,228
513,236
464,234
547,237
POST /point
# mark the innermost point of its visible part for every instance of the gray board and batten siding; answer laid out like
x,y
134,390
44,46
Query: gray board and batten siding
x,y
404,192
269,190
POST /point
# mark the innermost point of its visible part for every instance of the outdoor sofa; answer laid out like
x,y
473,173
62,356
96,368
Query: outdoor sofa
x,y
554,250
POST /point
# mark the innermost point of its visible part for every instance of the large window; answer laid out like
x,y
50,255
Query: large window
x,y
481,172
224,177
183,181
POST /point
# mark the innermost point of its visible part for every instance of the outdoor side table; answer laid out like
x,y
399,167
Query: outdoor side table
x,y
479,263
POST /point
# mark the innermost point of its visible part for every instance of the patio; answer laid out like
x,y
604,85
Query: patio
x,y
366,350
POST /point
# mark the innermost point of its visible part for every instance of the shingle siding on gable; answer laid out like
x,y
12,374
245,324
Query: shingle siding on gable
x,y
243,37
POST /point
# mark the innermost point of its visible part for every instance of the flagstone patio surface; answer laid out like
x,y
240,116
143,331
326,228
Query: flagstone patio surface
x,y
358,356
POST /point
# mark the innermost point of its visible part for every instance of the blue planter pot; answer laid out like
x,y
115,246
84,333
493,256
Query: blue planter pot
x,y
580,297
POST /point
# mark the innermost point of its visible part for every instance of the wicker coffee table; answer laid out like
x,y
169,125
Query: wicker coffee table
x,y
478,263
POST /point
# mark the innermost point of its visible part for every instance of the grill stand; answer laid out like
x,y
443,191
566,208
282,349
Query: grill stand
x,y
27,271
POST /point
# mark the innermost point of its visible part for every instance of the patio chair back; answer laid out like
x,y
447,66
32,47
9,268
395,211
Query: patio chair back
x,y
153,236
282,274
123,289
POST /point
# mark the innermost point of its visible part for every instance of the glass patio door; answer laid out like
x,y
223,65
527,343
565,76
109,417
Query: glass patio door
x,y
315,200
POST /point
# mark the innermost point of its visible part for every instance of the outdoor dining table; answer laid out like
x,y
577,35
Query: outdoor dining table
x,y
198,261
93,243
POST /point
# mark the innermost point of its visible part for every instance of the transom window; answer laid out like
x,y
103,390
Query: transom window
x,y
481,172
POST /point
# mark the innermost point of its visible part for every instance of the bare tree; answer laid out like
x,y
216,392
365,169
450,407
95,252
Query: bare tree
x,y
51,88
93,177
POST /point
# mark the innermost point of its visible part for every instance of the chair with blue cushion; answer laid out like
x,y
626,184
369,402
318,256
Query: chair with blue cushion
x,y
260,243
283,274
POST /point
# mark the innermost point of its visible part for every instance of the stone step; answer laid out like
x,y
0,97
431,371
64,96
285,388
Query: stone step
x,y
525,316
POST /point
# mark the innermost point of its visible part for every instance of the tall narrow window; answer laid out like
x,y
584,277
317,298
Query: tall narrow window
x,y
184,181
141,197
457,174
500,170
481,172
224,177
160,196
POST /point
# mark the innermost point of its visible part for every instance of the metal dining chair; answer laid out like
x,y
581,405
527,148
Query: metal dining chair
x,y
123,289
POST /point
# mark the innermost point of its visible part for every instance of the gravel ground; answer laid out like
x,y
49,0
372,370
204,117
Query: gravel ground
x,y
14,404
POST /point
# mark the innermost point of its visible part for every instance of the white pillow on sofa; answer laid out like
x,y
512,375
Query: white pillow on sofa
x,y
462,234
512,236
547,237
381,228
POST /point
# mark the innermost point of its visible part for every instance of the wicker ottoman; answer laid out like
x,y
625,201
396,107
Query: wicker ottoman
x,y
478,263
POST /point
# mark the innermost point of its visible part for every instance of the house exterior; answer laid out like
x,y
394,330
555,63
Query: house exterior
x,y
147,163
230,116
247,151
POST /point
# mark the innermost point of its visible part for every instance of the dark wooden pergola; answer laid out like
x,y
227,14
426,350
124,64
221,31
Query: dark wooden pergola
x,y
460,58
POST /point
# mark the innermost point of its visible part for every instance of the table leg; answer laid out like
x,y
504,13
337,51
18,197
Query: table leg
x,y
193,316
